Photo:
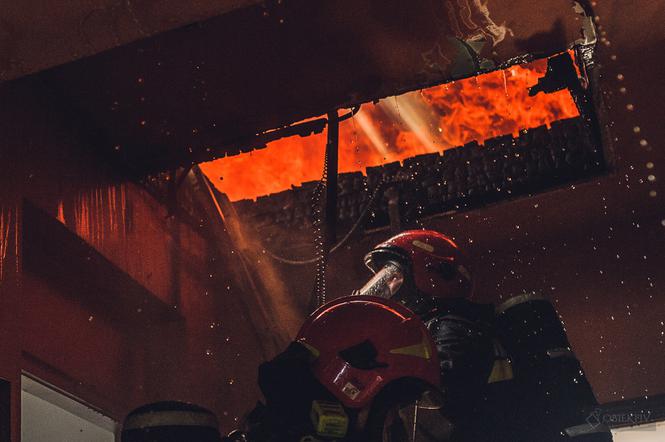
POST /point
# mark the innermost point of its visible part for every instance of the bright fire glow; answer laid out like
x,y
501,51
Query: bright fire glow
x,y
430,120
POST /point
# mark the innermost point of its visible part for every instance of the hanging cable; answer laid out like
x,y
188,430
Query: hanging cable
x,y
361,218
319,241
325,226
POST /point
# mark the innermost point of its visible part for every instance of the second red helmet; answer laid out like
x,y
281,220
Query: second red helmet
x,y
435,263
361,344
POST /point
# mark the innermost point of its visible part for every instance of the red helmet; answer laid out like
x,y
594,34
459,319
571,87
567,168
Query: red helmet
x,y
363,343
438,267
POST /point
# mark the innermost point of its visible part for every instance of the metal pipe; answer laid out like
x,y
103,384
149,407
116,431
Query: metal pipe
x,y
332,155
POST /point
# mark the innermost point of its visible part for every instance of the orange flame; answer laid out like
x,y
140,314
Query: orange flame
x,y
430,120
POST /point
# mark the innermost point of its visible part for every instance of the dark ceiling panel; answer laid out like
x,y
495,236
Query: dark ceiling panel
x,y
39,34
199,92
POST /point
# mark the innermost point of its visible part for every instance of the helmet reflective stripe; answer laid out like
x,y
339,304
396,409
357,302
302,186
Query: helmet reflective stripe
x,y
183,418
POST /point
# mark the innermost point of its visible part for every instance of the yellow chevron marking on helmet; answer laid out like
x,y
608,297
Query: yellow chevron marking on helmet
x,y
420,350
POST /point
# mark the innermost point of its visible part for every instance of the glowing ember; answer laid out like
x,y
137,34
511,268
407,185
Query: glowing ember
x,y
396,128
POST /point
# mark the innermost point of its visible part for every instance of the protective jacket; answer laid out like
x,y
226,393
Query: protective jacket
x,y
509,374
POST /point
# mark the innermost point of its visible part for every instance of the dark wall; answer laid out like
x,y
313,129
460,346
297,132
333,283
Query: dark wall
x,y
141,306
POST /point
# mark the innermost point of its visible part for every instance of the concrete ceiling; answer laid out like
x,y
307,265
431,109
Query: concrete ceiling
x,y
205,90
38,34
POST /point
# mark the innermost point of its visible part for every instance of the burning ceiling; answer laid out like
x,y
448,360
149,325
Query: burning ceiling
x,y
426,121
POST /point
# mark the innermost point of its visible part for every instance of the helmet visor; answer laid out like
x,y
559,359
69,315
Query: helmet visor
x,y
385,283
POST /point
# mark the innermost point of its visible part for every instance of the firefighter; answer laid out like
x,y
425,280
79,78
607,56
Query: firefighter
x,y
428,273
425,357
343,375
507,373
